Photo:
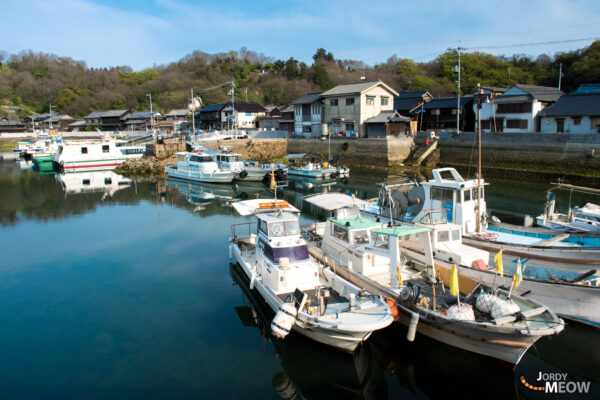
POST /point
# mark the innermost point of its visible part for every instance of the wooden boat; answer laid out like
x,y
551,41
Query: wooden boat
x,y
577,219
307,296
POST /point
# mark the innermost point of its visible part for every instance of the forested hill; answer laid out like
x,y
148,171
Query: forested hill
x,y
34,80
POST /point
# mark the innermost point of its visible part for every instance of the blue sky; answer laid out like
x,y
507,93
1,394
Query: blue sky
x,y
144,33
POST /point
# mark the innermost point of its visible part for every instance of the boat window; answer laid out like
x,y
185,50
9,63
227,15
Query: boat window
x,y
443,236
475,193
85,182
381,241
442,194
456,235
263,227
200,159
292,228
181,157
84,150
107,181
340,232
295,253
361,236
467,194
105,148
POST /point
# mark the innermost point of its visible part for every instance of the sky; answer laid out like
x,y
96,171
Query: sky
x,y
144,33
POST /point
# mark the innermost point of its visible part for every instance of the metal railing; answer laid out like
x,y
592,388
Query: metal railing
x,y
236,228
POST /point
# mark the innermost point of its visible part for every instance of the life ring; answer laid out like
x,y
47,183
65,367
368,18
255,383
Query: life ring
x,y
393,308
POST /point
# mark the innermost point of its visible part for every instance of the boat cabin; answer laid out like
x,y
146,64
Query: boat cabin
x,y
458,197
196,162
447,245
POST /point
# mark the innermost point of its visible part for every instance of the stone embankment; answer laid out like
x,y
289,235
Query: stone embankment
x,y
147,165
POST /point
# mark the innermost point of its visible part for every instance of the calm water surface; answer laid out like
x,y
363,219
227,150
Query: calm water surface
x,y
129,294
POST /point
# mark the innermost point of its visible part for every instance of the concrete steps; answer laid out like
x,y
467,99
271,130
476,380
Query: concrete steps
x,y
420,154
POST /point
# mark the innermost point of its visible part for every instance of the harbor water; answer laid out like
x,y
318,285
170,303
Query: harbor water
x,y
122,289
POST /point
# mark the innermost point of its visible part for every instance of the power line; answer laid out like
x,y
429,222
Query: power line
x,y
532,44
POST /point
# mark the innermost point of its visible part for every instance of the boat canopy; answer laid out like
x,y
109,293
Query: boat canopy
x,y
334,201
403,230
356,222
251,207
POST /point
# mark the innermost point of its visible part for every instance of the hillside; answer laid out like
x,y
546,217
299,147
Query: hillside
x,y
31,81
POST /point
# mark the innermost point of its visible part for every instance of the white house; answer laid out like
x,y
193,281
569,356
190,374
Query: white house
x,y
578,112
349,105
308,115
245,115
517,109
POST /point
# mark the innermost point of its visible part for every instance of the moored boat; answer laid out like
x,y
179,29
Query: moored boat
x,y
95,155
199,167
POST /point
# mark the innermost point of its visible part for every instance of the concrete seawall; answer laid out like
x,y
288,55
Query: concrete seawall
x,y
362,153
569,154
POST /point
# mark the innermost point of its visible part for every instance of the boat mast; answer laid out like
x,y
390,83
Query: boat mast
x,y
479,98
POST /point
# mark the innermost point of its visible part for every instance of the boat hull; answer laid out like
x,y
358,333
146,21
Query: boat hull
x,y
220,177
342,340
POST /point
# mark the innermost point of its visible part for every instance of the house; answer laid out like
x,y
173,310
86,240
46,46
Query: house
x,y
210,117
242,115
77,126
172,120
58,122
12,126
577,112
411,104
141,120
487,112
94,119
278,118
112,120
308,115
517,109
387,123
440,114
349,105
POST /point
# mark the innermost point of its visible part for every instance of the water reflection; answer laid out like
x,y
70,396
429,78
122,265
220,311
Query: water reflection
x,y
106,182
311,370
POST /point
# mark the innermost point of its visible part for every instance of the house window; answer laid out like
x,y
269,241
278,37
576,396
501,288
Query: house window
x,y
516,124
349,127
105,148
513,108
485,124
576,121
350,101
370,100
384,101
84,150
333,102
435,111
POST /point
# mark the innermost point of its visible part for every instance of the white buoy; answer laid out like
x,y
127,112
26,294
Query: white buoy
x,y
252,279
412,327
230,251
284,320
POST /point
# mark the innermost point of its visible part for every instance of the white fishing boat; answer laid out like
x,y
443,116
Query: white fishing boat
x,y
464,204
248,171
308,297
95,155
304,166
198,167
577,219
398,262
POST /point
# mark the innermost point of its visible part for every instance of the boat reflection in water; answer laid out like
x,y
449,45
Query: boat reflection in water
x,y
310,369
92,181
200,194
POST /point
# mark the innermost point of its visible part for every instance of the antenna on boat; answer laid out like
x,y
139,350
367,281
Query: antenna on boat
x,y
479,99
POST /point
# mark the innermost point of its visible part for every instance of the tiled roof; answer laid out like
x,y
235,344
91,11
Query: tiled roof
x,y
113,113
405,104
540,93
574,105
94,114
355,88
142,115
447,102
386,116
588,88
78,123
178,112
213,107
248,107
308,98
519,98
416,94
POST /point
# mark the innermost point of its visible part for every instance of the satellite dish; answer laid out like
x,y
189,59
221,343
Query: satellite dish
x,y
196,103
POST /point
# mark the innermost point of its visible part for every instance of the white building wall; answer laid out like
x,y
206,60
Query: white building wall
x,y
549,125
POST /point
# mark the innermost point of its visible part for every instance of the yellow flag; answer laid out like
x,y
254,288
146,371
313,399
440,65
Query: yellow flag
x,y
273,184
399,276
498,262
518,275
454,281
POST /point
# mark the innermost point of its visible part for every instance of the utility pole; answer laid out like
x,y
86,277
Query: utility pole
x,y
560,74
50,117
151,113
233,104
457,50
193,113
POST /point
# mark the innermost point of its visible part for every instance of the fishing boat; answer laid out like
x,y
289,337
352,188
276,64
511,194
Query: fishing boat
x,y
95,155
464,204
577,219
340,375
307,297
305,166
248,171
198,167
382,260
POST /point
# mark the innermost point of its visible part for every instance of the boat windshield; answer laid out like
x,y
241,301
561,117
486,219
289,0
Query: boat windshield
x,y
294,253
198,158
286,228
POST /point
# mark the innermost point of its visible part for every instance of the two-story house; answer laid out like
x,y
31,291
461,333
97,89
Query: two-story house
x,y
410,104
245,114
440,114
517,109
577,112
349,105
278,118
112,120
308,115
210,117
